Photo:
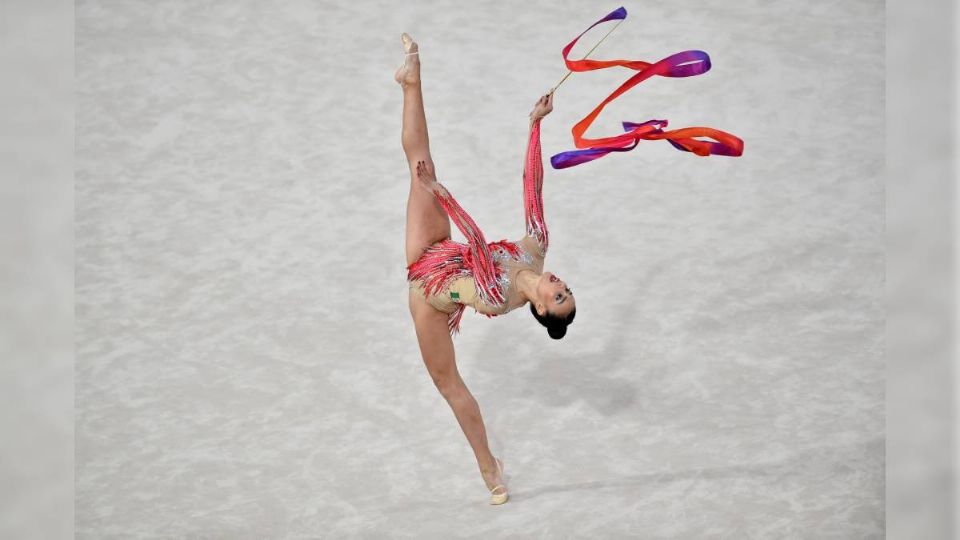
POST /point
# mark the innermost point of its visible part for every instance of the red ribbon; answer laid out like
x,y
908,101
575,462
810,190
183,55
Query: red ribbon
x,y
682,64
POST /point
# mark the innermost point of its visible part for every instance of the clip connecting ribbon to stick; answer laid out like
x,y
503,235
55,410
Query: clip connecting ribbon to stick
x,y
682,64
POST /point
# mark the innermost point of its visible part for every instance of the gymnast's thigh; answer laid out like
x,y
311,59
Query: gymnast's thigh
x,y
427,222
419,306
436,344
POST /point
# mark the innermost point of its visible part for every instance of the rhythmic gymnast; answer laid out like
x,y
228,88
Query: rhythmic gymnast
x,y
446,276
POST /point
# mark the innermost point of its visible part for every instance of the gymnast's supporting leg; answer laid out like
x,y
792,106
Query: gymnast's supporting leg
x,y
427,223
436,347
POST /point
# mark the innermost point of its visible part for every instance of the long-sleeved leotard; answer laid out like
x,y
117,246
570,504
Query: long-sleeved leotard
x,y
533,188
446,260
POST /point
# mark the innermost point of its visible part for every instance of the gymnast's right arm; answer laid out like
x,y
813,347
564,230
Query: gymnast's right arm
x,y
536,226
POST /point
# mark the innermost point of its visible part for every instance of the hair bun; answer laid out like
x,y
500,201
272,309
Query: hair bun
x,y
557,332
556,326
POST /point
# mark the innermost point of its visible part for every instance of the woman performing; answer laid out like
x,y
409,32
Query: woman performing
x,y
446,276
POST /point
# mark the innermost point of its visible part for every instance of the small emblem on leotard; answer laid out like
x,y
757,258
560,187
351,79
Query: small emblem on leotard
x,y
455,295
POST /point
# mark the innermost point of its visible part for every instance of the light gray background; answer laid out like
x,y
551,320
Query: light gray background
x,y
36,269
246,365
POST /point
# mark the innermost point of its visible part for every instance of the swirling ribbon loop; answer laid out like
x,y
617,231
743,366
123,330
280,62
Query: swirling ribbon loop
x,y
682,64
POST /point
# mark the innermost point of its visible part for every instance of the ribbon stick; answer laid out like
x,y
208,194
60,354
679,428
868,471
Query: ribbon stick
x,y
552,90
682,64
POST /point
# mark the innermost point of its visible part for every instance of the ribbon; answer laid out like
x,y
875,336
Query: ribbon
x,y
682,64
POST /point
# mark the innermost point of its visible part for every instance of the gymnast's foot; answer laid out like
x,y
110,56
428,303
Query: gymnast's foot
x,y
493,477
409,73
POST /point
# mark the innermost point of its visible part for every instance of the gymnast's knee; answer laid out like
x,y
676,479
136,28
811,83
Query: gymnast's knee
x,y
453,390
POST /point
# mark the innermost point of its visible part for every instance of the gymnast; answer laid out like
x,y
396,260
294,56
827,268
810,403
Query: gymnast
x,y
494,278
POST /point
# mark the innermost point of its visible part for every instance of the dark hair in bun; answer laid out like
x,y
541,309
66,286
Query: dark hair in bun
x,y
556,326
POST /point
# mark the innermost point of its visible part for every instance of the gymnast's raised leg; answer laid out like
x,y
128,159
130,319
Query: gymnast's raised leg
x,y
427,223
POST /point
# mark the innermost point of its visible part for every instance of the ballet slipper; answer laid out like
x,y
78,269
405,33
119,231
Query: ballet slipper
x,y
499,498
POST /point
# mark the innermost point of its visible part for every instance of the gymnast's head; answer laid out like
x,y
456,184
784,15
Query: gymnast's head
x,y
554,306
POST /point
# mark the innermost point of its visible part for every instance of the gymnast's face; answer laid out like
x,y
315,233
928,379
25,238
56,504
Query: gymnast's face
x,y
554,296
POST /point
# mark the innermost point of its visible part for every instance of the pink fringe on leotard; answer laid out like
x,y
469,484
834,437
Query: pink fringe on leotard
x,y
533,187
447,260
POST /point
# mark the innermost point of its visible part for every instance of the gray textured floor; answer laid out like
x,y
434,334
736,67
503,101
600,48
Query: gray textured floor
x,y
246,365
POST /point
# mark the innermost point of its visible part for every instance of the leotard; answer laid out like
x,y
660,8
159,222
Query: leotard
x,y
452,275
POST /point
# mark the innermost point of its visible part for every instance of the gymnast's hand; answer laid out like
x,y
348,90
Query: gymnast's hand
x,y
543,107
427,178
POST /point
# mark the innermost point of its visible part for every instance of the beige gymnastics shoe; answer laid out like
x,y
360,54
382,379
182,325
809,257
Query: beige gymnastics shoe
x,y
408,74
499,498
